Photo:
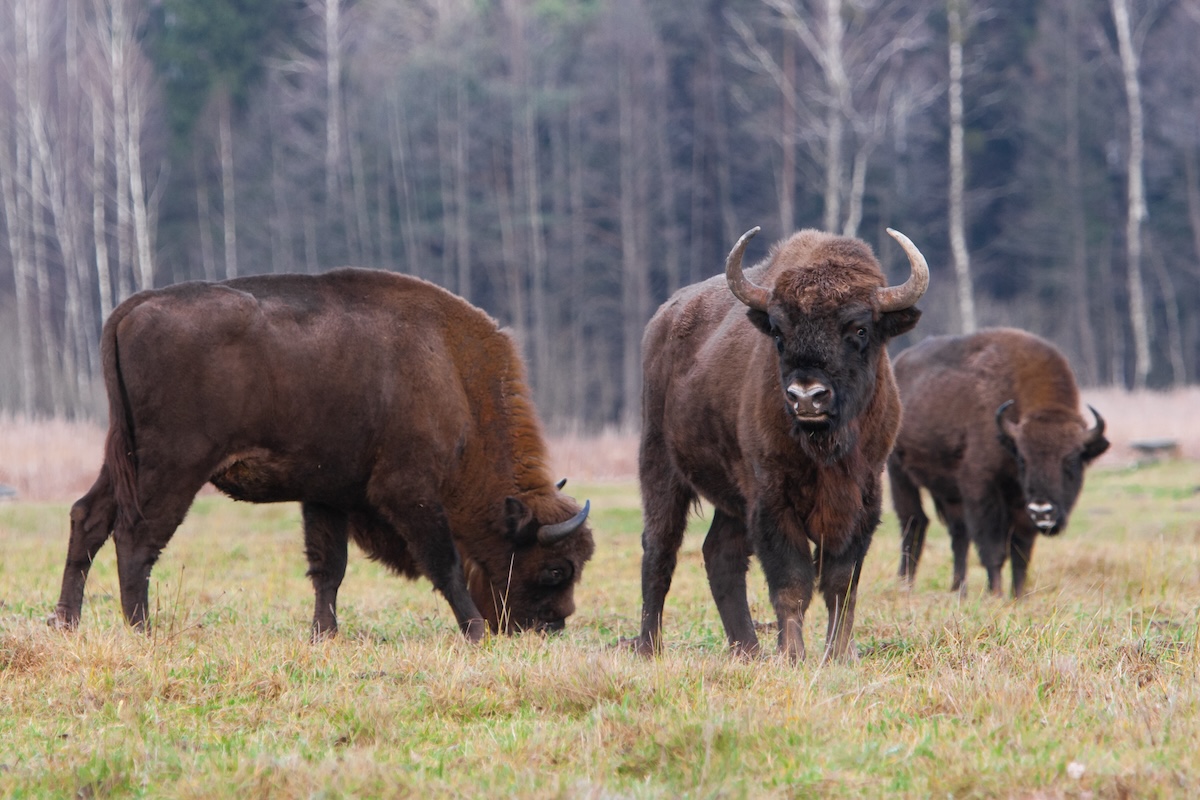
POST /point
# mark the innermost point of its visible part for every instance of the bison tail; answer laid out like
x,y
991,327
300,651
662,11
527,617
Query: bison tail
x,y
119,447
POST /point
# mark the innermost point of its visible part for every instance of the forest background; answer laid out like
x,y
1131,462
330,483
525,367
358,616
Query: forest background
x,y
567,164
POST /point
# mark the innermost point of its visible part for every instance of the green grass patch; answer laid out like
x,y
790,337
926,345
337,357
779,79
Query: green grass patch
x,y
1088,687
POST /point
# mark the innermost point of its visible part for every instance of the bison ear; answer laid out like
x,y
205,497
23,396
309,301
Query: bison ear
x,y
1095,447
760,320
896,323
518,521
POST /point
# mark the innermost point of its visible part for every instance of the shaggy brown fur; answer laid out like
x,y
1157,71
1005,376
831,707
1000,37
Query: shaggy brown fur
x,y
396,413
998,487
802,494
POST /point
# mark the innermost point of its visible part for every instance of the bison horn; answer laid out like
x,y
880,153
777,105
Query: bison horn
x,y
906,295
1002,424
551,534
1096,433
742,287
1000,412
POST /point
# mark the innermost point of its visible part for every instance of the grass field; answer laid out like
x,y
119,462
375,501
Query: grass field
x,y
1090,687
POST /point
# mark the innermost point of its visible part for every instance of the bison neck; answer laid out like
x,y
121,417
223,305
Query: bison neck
x,y
503,453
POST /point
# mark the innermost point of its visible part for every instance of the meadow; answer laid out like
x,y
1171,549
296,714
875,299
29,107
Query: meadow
x,y
1087,688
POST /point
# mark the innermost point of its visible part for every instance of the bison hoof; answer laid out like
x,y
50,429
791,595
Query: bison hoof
x,y
62,620
475,629
848,655
640,645
323,634
745,651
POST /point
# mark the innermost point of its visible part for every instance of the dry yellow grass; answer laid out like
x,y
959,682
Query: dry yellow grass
x,y
1090,687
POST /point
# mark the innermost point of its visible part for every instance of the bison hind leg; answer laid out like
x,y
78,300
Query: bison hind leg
x,y
140,541
92,518
906,499
666,501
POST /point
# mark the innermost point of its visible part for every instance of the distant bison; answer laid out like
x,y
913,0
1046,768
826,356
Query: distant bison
x,y
992,430
396,413
769,393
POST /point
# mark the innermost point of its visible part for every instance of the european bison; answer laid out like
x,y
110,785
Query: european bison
x,y
396,413
992,430
769,393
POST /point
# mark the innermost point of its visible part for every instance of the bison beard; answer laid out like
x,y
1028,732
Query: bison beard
x,y
394,412
769,393
992,430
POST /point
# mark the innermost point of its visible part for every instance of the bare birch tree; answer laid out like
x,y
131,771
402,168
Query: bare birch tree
x,y
1135,192
958,233
224,106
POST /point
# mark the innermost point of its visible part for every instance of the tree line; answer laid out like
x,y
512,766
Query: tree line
x,y
567,164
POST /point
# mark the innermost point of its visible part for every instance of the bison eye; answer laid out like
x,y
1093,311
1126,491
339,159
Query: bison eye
x,y
861,332
779,342
554,576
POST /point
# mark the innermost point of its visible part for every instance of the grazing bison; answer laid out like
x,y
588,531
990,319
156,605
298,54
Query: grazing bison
x,y
769,393
396,413
992,430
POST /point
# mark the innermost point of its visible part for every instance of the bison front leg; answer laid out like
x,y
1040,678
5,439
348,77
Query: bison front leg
x,y
726,559
960,542
788,566
92,519
987,523
839,586
326,538
1022,554
426,530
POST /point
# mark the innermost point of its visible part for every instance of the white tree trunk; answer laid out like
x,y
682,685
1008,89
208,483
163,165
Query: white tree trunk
x,y
228,207
462,178
1136,193
958,234
100,124
333,102
787,177
839,88
137,191
116,43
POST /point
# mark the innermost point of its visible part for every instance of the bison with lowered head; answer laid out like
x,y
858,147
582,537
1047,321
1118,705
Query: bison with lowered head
x,y
396,413
992,430
769,393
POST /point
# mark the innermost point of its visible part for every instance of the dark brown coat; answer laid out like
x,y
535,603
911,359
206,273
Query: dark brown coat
x,y
992,430
769,393
396,413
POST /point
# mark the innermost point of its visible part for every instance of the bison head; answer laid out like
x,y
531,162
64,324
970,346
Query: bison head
x,y
1051,448
531,584
830,318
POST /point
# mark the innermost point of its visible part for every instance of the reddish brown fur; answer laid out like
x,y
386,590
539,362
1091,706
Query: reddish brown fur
x,y
716,425
949,444
395,412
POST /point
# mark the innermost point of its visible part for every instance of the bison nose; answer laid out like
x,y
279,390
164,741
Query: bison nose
x,y
810,399
1044,515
